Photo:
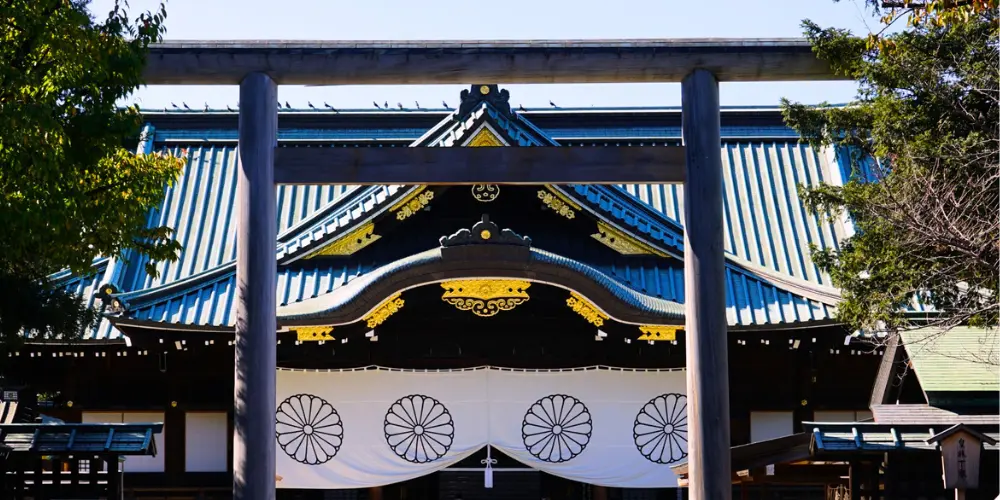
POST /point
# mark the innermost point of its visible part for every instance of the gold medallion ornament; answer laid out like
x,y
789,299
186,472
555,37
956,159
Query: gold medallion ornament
x,y
412,203
313,333
350,242
584,308
391,306
485,89
659,333
485,297
485,193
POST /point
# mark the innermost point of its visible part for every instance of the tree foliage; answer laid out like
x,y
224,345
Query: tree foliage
x,y
923,143
930,12
70,191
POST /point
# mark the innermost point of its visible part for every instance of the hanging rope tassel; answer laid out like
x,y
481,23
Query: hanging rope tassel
x,y
489,461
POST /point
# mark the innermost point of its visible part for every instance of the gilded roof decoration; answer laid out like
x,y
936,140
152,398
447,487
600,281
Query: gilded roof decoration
x,y
485,139
622,242
350,242
556,204
390,306
485,297
584,308
659,333
313,333
412,203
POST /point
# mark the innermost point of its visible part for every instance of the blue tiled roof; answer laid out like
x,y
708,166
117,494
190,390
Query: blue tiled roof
x,y
771,278
200,208
644,303
751,301
767,225
86,288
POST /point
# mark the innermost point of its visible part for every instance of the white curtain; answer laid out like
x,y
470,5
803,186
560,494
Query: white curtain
x,y
373,427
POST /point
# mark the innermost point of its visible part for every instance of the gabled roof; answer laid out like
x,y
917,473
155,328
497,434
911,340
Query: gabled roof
x,y
772,280
960,359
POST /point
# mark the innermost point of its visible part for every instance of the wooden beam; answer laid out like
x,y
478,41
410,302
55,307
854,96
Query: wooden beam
x,y
531,165
709,459
256,275
327,62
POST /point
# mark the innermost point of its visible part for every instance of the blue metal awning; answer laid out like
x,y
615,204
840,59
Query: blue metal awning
x,y
60,439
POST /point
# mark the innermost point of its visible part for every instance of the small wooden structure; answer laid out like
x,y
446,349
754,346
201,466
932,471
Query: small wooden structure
x,y
961,455
51,461
870,461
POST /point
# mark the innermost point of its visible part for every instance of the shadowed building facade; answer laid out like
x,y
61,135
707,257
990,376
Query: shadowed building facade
x,y
435,340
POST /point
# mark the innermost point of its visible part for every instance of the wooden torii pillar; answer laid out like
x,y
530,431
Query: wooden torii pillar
x,y
698,64
705,323
256,306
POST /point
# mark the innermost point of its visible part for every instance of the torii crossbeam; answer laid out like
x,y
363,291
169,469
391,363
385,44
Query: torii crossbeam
x,y
699,64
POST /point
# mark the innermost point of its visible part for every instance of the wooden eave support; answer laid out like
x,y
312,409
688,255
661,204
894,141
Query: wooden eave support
x,y
451,166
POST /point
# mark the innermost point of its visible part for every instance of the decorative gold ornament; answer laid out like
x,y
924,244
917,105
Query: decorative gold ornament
x,y
556,204
485,138
391,306
659,333
584,308
485,89
412,203
622,243
485,193
350,242
485,297
485,234
313,333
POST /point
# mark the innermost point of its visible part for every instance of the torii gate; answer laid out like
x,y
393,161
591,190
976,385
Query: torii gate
x,y
699,64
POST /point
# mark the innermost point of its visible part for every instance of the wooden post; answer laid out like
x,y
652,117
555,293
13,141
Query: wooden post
x,y
709,465
599,493
256,309
855,480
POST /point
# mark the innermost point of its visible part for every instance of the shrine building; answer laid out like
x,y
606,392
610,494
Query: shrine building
x,y
483,342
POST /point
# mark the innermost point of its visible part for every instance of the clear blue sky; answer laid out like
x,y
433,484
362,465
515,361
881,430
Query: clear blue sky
x,y
504,19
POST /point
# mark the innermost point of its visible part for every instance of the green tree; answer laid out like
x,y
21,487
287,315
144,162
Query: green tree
x,y
922,138
928,12
70,190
